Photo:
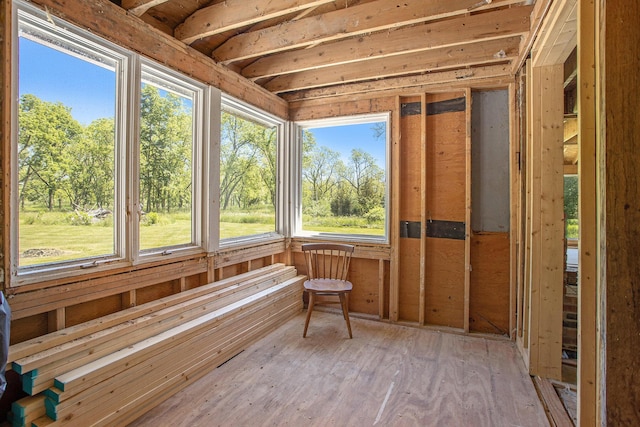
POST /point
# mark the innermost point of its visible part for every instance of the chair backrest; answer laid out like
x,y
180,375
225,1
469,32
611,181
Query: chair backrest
x,y
327,260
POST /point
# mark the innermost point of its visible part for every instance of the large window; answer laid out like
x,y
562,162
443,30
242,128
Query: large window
x,y
343,189
115,156
109,151
168,183
248,171
67,150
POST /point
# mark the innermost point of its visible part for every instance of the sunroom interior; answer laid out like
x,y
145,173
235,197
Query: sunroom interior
x,y
163,162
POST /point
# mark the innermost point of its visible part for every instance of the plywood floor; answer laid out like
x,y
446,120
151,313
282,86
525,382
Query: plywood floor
x,y
387,375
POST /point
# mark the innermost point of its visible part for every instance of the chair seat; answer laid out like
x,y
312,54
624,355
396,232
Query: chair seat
x,y
328,285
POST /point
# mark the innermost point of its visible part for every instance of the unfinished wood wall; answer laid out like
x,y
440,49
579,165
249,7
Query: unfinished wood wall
x,y
618,138
428,279
434,161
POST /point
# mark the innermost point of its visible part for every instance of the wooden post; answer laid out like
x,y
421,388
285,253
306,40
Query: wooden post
x,y
467,211
548,222
381,299
514,231
618,151
394,280
57,319
423,203
6,102
588,217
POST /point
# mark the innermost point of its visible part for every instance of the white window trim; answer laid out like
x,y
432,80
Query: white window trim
x,y
243,109
296,185
73,36
201,98
206,165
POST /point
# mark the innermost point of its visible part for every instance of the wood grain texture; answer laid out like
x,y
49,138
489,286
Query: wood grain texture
x,y
385,375
619,201
490,291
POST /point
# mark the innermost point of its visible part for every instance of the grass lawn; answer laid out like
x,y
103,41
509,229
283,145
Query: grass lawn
x,y
62,242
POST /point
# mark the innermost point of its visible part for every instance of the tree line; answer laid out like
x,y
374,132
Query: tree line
x,y
67,166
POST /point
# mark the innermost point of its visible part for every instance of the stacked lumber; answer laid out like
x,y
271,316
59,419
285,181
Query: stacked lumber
x,y
111,370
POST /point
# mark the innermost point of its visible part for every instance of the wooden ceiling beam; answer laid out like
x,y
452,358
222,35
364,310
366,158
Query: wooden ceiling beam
x,y
233,14
344,23
394,83
476,53
140,7
452,32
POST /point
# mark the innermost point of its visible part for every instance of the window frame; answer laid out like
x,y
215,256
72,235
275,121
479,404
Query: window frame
x,y
70,35
297,170
201,97
204,237
243,109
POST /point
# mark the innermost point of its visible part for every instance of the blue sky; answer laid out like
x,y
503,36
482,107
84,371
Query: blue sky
x,y
90,92
351,136
57,77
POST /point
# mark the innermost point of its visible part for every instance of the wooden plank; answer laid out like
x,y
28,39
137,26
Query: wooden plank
x,y
91,373
552,403
534,158
140,7
384,46
489,309
514,196
557,36
588,399
365,276
423,204
467,213
394,279
231,14
115,392
409,209
38,344
445,201
552,220
383,87
343,23
48,365
172,312
44,300
618,83
136,408
476,53
57,319
381,292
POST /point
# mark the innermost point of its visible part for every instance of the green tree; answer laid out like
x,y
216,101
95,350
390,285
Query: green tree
x,y
91,167
367,180
165,151
320,170
571,196
46,132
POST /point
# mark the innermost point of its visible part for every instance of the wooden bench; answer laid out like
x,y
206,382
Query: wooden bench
x,y
111,370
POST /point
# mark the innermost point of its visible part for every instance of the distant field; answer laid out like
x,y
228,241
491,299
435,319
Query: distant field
x,y
50,241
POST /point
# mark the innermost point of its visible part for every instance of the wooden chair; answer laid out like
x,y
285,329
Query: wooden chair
x,y
327,269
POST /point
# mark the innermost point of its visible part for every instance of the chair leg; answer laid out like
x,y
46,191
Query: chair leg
x,y
309,310
344,302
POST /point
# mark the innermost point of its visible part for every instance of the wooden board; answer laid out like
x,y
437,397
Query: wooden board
x,y
80,313
364,274
444,296
410,209
445,200
490,290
